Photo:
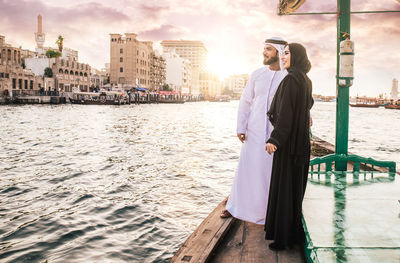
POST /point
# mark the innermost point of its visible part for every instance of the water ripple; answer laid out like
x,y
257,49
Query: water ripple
x,y
129,184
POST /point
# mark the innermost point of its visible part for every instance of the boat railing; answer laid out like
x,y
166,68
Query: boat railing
x,y
361,166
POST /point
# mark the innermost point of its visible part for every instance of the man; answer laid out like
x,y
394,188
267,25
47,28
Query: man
x,y
249,195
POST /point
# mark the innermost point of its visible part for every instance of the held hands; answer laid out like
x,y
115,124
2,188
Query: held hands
x,y
270,148
241,137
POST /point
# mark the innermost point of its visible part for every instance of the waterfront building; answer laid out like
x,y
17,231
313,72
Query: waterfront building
x,y
178,72
236,83
210,85
67,74
395,89
130,61
70,75
14,77
25,53
106,72
195,52
157,72
97,78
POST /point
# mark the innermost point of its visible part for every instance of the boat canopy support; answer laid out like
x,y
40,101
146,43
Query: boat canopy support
x,y
341,156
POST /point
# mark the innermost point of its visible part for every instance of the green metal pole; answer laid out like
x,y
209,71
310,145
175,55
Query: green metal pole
x,y
342,103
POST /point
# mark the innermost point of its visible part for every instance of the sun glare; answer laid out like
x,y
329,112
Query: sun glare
x,y
221,66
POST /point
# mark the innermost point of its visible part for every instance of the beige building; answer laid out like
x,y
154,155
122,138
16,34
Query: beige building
x,y
67,74
70,75
157,72
97,78
210,85
236,83
14,78
130,61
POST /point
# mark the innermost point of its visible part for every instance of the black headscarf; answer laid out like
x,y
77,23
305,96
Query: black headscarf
x,y
299,67
298,58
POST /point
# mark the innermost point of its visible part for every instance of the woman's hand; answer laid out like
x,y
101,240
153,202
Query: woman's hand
x,y
270,148
241,137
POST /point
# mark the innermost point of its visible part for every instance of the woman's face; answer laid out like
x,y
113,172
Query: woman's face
x,y
286,58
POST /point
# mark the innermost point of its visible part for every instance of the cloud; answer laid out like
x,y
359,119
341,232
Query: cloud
x,y
153,11
232,30
163,32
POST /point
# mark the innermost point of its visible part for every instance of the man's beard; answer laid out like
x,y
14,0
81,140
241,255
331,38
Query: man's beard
x,y
271,60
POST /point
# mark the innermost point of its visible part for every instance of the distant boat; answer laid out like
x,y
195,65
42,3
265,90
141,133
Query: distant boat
x,y
176,101
324,99
98,98
366,103
221,98
392,107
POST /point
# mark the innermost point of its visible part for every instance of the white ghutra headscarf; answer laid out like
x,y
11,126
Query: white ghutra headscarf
x,y
279,44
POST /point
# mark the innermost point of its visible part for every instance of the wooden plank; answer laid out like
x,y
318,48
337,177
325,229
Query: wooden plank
x,y
290,255
200,244
230,248
255,247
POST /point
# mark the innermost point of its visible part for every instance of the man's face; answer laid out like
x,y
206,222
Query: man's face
x,y
270,55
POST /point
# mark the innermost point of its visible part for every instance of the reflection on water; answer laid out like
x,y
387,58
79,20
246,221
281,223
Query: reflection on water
x,y
130,183
105,183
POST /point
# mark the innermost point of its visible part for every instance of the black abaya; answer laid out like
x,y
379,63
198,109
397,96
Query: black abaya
x,y
290,114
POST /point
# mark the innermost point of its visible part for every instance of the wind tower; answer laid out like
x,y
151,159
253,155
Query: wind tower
x,y
39,36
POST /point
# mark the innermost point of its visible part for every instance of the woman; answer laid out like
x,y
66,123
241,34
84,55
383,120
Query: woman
x,y
290,143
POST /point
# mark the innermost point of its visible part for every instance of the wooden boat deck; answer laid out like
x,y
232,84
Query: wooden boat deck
x,y
245,243
231,240
330,236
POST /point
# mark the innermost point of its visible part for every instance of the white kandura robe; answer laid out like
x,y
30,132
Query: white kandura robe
x,y
249,195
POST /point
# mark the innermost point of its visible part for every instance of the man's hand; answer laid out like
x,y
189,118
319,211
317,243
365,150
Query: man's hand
x,y
241,137
270,148
310,121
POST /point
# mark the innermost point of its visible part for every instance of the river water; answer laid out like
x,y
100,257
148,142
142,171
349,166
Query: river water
x,y
129,183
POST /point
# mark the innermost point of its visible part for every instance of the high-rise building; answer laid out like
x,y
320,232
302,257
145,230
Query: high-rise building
x,y
195,52
395,89
130,61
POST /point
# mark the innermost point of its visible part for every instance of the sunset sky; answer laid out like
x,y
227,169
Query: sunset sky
x,y
233,32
